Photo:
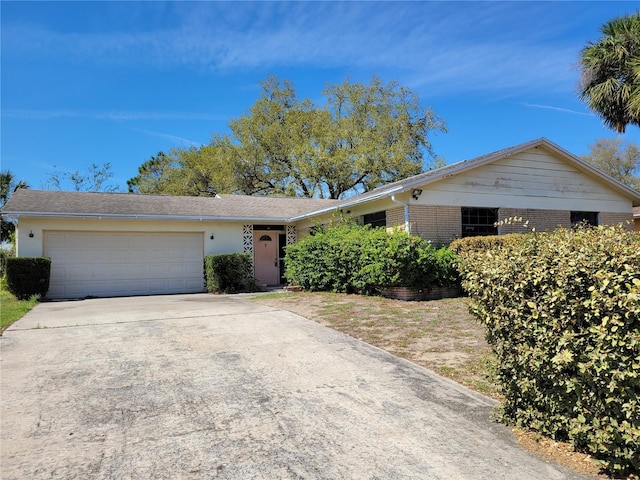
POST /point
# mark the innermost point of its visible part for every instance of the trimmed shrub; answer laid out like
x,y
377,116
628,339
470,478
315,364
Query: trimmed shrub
x,y
480,244
562,311
349,258
229,273
446,267
28,276
4,254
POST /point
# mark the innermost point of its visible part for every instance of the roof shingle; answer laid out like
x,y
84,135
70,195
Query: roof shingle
x,y
231,207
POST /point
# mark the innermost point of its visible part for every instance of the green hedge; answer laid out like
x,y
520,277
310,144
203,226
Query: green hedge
x,y
481,244
350,258
4,254
229,273
28,276
563,317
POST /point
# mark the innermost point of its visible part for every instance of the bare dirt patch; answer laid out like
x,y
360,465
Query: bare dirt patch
x,y
440,335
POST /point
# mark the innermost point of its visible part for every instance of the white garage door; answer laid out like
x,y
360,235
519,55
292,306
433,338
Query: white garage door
x,y
121,264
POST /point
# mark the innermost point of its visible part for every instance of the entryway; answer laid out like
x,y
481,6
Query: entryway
x,y
266,258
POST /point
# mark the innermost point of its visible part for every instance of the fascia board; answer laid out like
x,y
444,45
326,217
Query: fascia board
x,y
114,216
348,203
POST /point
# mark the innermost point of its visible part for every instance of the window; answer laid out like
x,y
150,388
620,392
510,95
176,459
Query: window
x,y
479,221
378,219
590,218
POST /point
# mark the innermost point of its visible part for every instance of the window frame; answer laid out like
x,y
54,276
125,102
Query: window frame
x,y
375,219
479,221
579,216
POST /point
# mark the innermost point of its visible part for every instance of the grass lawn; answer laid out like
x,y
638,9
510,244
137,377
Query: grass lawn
x,y
12,309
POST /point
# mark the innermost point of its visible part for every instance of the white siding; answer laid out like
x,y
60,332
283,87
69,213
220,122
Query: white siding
x,y
531,179
227,235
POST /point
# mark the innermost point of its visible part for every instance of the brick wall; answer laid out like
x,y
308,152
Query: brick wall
x,y
547,220
438,223
442,224
541,220
616,218
395,218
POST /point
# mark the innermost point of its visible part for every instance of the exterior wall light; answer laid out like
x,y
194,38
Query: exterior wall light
x,y
416,193
31,234
212,237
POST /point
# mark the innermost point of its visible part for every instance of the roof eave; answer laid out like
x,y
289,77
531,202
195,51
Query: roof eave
x,y
347,203
116,216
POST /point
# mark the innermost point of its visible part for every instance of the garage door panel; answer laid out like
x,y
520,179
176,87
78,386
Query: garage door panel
x,y
193,270
120,264
190,242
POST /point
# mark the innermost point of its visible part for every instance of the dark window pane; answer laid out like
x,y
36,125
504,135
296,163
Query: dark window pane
x,y
590,218
378,219
479,221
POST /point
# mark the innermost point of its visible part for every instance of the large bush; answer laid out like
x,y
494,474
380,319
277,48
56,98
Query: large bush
x,y
481,244
28,276
350,258
4,254
563,317
229,273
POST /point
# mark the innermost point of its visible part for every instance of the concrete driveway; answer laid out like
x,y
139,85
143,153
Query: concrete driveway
x,y
202,386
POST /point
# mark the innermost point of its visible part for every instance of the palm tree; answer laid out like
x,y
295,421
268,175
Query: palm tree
x,y
610,82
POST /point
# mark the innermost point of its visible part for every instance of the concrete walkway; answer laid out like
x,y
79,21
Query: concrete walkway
x,y
203,386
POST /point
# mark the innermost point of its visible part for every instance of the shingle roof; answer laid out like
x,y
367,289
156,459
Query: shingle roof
x,y
250,208
466,165
444,172
26,202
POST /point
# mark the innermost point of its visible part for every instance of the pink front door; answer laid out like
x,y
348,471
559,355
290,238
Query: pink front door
x,y
265,249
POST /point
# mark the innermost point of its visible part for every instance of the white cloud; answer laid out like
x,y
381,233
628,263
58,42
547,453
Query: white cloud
x,y
185,142
557,109
115,115
445,47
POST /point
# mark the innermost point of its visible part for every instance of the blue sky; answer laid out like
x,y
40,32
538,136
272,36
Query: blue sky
x,y
96,82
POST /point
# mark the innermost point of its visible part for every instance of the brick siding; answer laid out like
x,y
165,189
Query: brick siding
x,y
442,224
626,219
436,223
395,218
541,220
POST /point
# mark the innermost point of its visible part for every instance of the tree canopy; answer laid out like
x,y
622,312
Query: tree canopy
x,y
363,136
617,159
204,171
610,81
94,178
8,185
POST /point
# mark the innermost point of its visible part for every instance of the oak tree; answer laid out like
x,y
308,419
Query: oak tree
x,y
617,159
362,137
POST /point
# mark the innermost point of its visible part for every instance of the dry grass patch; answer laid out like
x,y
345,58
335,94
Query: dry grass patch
x,y
440,335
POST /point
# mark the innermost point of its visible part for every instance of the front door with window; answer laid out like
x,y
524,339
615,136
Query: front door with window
x,y
265,248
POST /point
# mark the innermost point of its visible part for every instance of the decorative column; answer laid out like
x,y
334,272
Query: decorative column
x,y
247,242
291,234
